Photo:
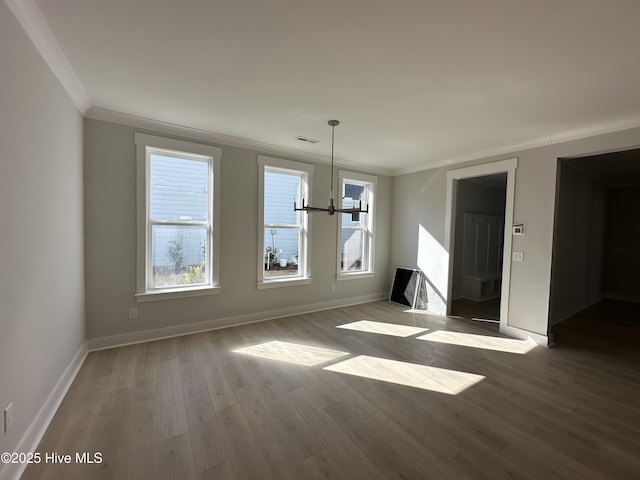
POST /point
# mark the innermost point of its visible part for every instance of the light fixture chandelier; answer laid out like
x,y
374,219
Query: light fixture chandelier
x,y
331,209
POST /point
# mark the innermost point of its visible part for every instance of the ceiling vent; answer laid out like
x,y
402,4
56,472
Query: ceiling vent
x,y
308,140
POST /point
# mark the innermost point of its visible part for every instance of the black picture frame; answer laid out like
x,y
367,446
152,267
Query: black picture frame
x,y
405,287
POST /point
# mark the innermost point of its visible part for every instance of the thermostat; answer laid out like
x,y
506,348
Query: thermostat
x,y
518,229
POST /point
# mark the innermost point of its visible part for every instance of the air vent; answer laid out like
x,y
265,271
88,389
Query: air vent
x,y
308,140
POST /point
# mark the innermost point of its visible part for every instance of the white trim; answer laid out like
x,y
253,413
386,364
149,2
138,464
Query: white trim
x,y
187,329
34,24
358,177
36,430
229,140
365,180
287,167
181,147
544,340
600,129
437,308
283,282
275,162
157,295
354,275
508,166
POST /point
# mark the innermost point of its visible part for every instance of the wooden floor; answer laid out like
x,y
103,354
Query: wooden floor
x,y
192,407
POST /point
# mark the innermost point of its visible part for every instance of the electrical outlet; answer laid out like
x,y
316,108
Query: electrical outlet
x,y
8,417
333,287
133,313
517,256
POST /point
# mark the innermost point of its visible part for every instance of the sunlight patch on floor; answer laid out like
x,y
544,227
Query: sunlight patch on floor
x,y
383,328
499,344
424,377
304,355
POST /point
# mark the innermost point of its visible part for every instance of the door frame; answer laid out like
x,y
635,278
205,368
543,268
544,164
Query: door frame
x,y
504,166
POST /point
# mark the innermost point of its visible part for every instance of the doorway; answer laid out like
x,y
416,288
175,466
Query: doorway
x,y
478,248
507,167
594,283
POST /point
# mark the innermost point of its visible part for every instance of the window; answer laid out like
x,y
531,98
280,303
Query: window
x,y
355,236
177,218
284,234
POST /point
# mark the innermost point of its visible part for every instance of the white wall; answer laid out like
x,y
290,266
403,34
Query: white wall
x,y
419,199
41,242
110,168
578,243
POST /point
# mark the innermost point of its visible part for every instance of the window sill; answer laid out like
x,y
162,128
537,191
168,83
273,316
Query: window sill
x,y
354,275
292,282
171,293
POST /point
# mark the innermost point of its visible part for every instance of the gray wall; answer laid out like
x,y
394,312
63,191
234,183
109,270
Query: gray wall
x,y
110,216
419,199
578,243
41,244
472,197
621,279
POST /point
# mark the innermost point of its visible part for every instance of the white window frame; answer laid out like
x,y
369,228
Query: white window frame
x,y
145,145
305,170
370,182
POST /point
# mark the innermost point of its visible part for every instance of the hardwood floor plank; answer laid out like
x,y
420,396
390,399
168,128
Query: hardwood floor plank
x,y
347,455
320,466
171,417
140,444
174,459
212,367
219,472
247,459
413,452
124,368
207,444
278,445
382,454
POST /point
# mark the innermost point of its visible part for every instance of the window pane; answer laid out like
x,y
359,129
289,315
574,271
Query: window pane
x,y
281,248
353,196
280,190
352,250
177,255
178,188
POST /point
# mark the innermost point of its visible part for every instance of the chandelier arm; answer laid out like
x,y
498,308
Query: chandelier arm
x,y
351,210
313,209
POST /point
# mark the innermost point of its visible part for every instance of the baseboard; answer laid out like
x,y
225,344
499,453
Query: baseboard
x,y
437,308
40,423
544,340
102,343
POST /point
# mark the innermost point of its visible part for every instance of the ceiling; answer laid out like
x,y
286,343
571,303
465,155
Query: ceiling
x,y
415,83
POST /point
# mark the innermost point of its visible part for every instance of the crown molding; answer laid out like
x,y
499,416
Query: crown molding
x,y
220,139
29,16
612,126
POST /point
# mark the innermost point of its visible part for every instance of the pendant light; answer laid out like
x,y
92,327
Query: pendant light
x,y
331,209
